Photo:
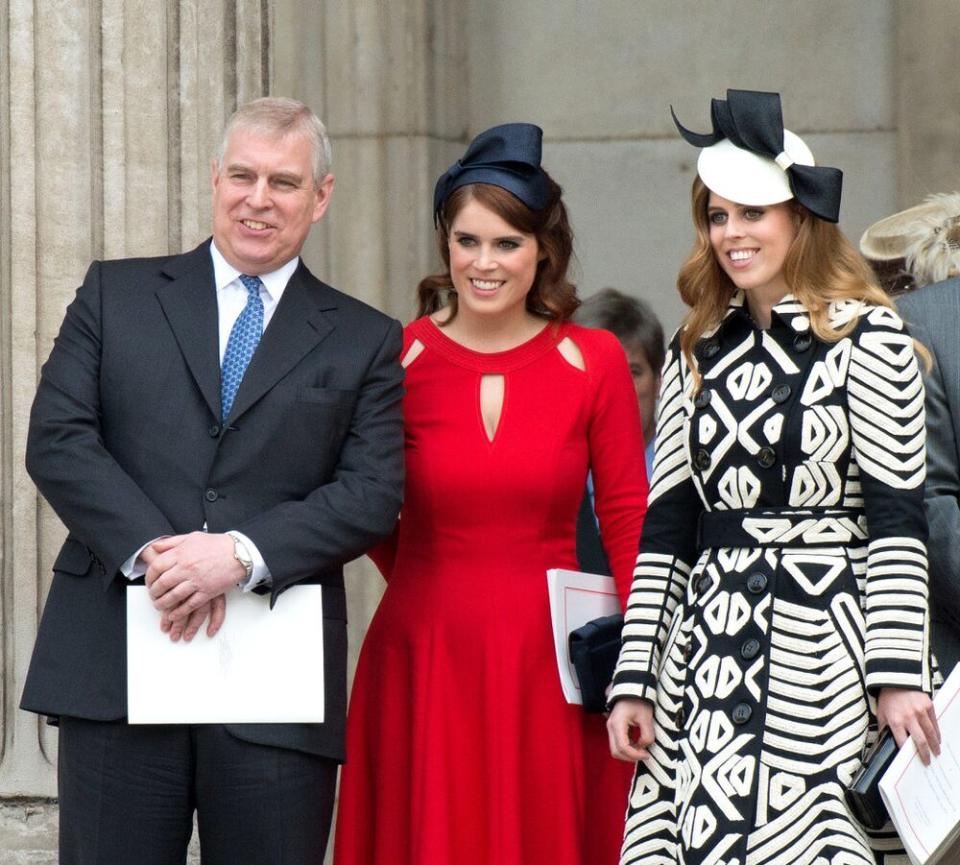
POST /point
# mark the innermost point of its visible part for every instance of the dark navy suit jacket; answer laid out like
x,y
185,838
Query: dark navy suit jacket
x,y
127,444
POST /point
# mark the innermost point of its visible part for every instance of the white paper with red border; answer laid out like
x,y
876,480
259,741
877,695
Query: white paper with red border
x,y
575,599
924,801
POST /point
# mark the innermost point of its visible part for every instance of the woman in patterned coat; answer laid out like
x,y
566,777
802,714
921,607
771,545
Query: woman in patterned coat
x,y
778,613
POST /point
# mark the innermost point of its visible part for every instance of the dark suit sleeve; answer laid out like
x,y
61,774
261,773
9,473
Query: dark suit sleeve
x,y
100,504
342,519
942,491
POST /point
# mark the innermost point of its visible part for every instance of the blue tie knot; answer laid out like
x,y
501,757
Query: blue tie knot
x,y
251,284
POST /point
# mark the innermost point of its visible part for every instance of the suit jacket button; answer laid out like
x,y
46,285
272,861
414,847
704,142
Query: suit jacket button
x,y
211,495
757,583
750,649
766,457
702,399
702,459
214,430
781,393
741,713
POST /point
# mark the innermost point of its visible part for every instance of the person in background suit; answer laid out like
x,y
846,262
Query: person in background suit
x,y
933,315
634,323
215,421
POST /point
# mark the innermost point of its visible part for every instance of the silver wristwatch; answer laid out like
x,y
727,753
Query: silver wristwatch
x,y
242,554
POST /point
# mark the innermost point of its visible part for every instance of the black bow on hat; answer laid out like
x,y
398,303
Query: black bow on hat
x,y
507,156
753,121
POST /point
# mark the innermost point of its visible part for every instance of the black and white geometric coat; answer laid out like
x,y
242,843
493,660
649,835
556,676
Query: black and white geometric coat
x,y
781,583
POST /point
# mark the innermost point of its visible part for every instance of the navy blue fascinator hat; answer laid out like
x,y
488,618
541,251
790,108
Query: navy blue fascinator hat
x,y
751,159
507,156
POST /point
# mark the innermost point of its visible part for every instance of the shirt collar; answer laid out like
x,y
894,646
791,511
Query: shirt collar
x,y
274,282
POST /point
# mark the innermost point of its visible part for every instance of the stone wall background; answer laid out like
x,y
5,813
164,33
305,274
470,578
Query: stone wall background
x,y
110,110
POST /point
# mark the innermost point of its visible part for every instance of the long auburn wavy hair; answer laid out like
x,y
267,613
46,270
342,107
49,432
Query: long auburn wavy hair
x,y
552,295
821,266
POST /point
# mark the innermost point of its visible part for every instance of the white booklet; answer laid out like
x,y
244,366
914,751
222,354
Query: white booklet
x,y
575,599
924,801
263,666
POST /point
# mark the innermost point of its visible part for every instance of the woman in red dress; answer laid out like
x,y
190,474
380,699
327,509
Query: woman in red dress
x,y
460,747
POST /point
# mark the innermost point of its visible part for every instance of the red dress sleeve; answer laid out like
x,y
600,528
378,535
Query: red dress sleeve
x,y
384,554
616,453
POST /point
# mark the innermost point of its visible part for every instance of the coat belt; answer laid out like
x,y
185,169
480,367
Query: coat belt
x,y
782,527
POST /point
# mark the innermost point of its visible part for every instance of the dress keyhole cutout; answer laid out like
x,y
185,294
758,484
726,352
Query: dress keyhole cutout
x,y
412,353
571,353
491,403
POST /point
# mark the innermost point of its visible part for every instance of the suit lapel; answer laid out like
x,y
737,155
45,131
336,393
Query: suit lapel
x,y
189,302
297,326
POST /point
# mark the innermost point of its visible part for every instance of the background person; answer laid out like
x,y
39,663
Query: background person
x,y
215,418
933,315
461,747
633,322
779,610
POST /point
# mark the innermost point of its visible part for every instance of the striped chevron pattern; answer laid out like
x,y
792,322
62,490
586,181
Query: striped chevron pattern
x,y
781,579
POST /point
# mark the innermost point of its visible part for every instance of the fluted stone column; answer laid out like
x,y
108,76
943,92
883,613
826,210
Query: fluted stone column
x,y
109,113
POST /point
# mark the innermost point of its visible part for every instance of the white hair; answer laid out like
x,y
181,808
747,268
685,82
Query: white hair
x,y
278,115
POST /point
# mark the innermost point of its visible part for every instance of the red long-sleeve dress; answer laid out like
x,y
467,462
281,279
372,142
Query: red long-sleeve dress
x,y
460,747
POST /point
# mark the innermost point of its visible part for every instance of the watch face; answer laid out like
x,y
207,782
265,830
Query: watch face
x,y
242,554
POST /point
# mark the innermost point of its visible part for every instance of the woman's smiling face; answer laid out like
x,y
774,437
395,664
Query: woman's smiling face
x,y
751,243
492,264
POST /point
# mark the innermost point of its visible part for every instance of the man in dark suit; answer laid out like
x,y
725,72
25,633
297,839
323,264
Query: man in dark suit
x,y
933,315
215,421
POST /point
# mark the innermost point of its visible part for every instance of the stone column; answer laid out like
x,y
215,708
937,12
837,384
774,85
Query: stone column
x,y
390,81
109,113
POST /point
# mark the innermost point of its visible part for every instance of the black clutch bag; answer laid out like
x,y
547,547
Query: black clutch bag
x,y
863,795
594,648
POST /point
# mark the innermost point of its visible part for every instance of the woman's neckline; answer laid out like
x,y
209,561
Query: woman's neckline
x,y
544,340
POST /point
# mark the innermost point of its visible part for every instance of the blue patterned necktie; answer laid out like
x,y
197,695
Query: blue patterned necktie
x,y
242,343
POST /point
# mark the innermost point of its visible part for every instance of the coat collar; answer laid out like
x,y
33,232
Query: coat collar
x,y
788,316
303,318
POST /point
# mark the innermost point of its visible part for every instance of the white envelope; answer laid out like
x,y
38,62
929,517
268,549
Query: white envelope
x,y
575,599
263,666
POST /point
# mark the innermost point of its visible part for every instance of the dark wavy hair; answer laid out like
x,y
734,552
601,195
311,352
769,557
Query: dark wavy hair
x,y
552,295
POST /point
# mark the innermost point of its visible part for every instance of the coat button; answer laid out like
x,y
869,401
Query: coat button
x,y
214,430
710,347
704,584
766,457
687,652
757,583
211,495
741,713
681,716
702,459
781,393
702,399
802,342
750,649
